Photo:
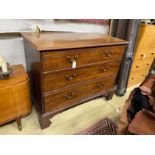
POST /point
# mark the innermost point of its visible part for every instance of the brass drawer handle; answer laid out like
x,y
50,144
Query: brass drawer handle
x,y
70,95
100,85
105,68
108,53
72,58
70,77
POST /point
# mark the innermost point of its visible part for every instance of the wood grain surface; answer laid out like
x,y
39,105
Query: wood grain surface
x,y
61,79
60,40
144,54
80,93
15,96
60,60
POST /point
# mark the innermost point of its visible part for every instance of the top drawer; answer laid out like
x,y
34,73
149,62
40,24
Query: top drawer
x,y
67,59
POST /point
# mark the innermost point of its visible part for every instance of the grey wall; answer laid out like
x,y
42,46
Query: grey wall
x,y
12,49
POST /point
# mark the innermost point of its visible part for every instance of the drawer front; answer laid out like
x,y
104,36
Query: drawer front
x,y
142,65
68,59
62,79
75,95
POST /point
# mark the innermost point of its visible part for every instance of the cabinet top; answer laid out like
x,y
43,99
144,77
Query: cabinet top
x,y
69,40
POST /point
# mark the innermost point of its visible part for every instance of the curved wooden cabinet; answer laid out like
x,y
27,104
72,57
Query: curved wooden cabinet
x,y
15,96
68,69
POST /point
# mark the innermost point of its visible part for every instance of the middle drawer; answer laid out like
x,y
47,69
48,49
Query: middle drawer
x,y
60,79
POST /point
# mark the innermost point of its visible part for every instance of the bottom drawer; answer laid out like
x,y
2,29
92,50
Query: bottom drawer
x,y
75,95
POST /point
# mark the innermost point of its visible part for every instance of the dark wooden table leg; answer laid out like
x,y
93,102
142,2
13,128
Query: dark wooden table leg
x,y
44,122
109,96
19,123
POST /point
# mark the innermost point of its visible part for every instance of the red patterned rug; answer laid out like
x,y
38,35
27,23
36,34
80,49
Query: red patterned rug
x,y
103,127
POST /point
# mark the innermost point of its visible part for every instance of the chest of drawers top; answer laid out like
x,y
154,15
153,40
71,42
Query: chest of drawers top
x,y
67,40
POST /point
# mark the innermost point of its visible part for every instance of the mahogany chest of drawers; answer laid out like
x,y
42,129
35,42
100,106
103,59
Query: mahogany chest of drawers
x,y
68,69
